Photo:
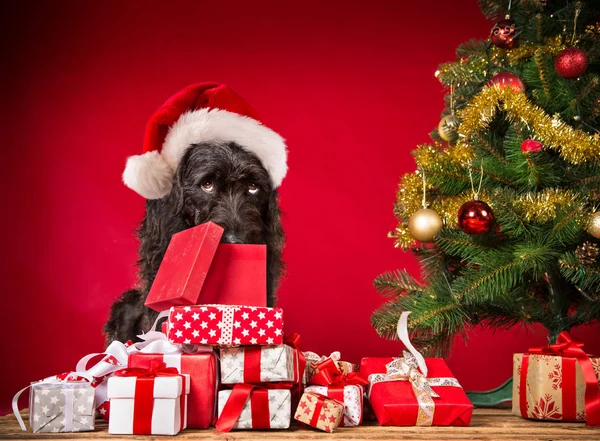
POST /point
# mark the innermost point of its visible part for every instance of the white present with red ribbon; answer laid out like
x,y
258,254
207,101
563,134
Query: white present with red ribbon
x,y
148,401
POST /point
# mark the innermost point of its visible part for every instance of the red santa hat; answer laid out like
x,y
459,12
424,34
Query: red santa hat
x,y
199,113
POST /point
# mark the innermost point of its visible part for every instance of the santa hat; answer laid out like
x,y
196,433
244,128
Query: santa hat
x,y
199,113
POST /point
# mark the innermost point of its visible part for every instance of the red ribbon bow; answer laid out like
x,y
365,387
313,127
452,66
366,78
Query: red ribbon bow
x,y
329,374
157,369
566,346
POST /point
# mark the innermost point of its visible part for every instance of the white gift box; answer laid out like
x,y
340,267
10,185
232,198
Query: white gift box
x,y
280,409
169,404
353,402
276,364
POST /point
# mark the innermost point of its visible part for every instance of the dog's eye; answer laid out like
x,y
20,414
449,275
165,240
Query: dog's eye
x,y
208,186
252,188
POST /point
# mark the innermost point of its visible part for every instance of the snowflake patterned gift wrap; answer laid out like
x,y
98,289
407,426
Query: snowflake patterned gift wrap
x,y
561,383
253,407
60,407
259,364
225,325
148,401
319,411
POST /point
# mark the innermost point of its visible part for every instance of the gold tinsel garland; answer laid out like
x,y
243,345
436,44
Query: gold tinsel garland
x,y
543,207
573,145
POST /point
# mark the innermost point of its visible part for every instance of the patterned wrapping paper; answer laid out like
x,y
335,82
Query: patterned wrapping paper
x,y
352,399
252,364
319,411
225,325
279,408
547,395
62,407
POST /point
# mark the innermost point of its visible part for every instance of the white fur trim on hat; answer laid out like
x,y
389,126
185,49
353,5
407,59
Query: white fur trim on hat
x,y
151,174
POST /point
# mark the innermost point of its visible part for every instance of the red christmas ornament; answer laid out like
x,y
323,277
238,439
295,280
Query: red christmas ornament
x,y
503,34
475,217
571,63
507,79
531,146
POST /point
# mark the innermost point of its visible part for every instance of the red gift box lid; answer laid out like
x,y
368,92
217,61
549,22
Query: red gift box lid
x,y
184,267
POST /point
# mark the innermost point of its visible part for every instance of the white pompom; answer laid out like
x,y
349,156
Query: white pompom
x,y
148,175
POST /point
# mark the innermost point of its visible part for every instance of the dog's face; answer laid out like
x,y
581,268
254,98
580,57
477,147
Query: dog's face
x,y
227,185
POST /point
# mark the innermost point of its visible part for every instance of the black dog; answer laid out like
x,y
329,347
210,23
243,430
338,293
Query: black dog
x,y
222,183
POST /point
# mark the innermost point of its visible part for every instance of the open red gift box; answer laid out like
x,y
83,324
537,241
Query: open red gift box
x,y
197,268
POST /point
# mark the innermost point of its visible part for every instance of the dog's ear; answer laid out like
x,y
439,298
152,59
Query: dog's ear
x,y
274,240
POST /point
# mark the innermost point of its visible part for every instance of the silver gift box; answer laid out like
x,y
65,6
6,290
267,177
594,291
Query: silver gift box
x,y
62,407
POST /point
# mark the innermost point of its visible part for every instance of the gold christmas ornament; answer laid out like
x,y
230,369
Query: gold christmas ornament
x,y
424,224
593,226
447,128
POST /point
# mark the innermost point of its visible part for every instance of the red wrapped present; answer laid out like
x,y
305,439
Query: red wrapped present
x,y
197,268
202,369
561,380
225,325
411,390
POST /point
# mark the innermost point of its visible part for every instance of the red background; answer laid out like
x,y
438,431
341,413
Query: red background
x,y
350,85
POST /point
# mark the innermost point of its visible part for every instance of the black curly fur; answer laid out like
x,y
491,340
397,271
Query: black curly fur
x,y
246,218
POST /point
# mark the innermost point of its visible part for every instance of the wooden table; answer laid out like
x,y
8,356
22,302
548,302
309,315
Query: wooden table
x,y
487,424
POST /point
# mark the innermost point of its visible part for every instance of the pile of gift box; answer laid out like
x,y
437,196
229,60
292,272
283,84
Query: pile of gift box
x,y
220,359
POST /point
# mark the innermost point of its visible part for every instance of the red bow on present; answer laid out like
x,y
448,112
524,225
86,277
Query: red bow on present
x,y
566,346
157,368
329,374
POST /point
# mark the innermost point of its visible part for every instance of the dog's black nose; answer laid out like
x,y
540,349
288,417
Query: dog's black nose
x,y
231,238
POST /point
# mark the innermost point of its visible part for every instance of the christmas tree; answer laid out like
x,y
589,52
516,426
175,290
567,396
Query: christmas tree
x,y
503,211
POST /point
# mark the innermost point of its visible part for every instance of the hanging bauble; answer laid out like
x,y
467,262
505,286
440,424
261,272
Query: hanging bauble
x,y
424,224
531,146
503,33
475,217
593,226
571,63
447,128
507,79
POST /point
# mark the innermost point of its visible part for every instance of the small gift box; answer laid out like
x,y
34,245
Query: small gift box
x,y
202,369
252,407
197,268
319,412
225,325
411,390
346,388
259,364
148,401
561,383
313,359
57,406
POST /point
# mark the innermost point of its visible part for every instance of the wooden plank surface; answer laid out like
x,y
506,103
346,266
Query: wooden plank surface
x,y
487,424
